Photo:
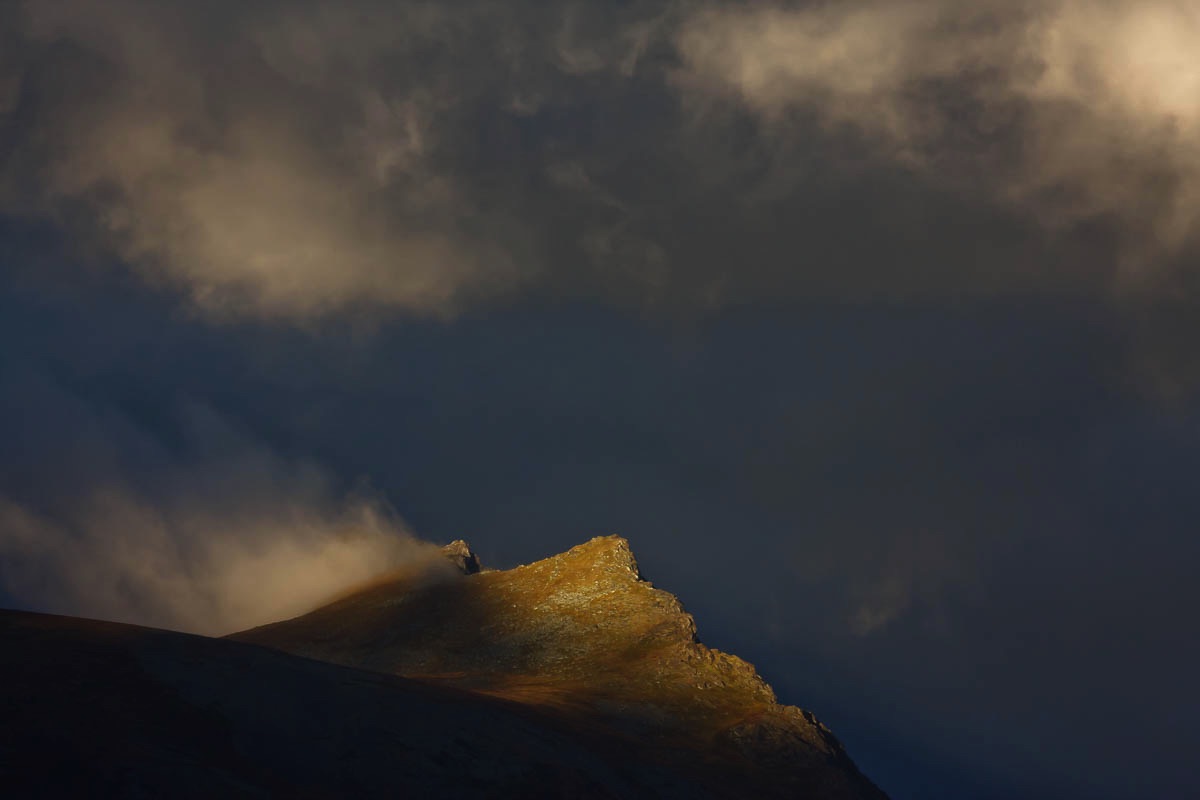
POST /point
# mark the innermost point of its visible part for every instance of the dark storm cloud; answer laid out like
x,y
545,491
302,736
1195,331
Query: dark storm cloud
x,y
297,160
305,159
985,147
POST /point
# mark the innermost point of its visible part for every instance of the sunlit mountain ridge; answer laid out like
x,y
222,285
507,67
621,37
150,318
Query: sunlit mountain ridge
x,y
570,677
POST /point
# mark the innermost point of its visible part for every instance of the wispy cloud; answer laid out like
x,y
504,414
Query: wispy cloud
x,y
1071,113
235,538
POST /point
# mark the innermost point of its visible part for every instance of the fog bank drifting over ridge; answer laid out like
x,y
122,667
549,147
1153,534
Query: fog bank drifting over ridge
x,y
239,538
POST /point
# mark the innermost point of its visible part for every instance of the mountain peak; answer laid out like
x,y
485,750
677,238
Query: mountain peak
x,y
583,634
605,553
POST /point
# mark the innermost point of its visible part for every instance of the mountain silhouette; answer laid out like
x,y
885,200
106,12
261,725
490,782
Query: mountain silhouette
x,y
569,677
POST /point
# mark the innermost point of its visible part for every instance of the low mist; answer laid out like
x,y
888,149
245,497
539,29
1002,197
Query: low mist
x,y
240,538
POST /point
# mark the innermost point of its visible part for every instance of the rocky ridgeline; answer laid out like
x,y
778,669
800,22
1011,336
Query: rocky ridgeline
x,y
580,634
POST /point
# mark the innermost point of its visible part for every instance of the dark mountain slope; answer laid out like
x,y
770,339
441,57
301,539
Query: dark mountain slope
x,y
97,709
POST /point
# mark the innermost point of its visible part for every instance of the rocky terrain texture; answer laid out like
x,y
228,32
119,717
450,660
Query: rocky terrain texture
x,y
582,638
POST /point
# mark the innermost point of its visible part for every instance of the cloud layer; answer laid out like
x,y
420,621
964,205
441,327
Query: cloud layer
x,y
305,160
278,161
233,537
1073,113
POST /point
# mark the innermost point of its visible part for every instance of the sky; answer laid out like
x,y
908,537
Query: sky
x,y
870,324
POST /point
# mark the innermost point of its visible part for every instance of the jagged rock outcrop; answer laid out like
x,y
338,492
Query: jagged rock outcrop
x,y
584,636
461,555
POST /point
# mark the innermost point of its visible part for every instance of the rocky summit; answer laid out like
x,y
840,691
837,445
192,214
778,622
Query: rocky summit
x,y
582,637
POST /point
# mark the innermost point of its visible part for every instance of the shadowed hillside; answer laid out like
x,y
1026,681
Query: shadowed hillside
x,y
97,709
